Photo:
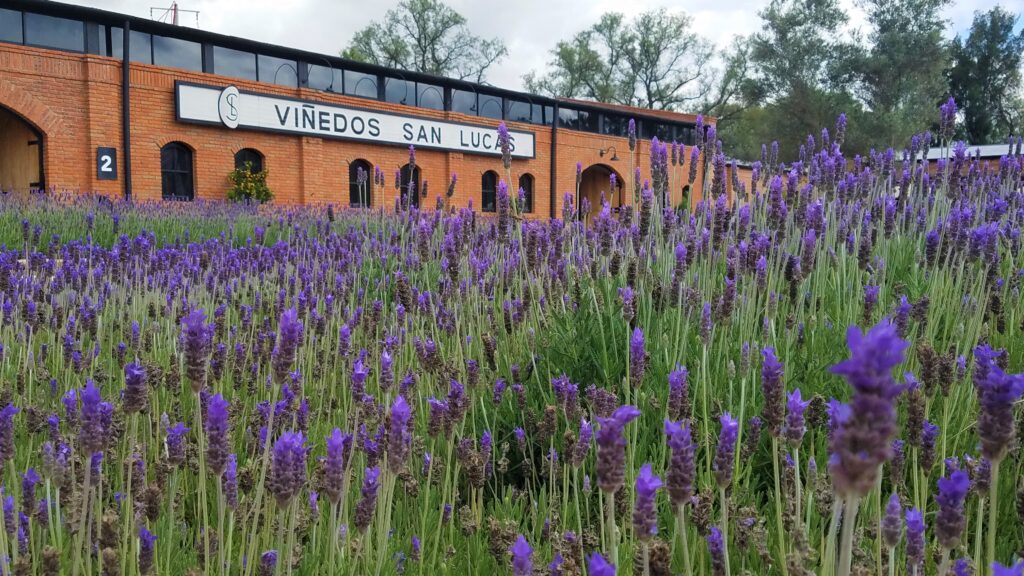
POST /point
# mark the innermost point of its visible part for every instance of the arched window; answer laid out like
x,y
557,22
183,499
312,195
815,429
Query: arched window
x,y
250,155
410,182
178,181
489,191
526,183
359,188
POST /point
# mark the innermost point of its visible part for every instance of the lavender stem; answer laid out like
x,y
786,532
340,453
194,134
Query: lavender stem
x,y
846,549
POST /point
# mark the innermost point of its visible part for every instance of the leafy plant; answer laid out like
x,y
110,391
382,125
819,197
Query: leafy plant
x,y
249,185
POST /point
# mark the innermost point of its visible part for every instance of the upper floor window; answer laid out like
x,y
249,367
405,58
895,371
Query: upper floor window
x,y
141,47
569,118
429,96
326,78
489,106
10,26
464,102
360,84
236,63
177,53
398,91
53,32
278,70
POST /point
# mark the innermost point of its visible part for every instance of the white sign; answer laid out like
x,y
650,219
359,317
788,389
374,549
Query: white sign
x,y
232,108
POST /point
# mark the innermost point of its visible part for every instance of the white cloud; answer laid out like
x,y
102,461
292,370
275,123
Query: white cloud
x,y
530,28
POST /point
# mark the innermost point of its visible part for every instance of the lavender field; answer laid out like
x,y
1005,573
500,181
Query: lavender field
x,y
820,376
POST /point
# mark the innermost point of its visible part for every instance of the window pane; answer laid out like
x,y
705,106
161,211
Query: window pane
x,y
537,114
177,53
568,118
615,125
488,191
685,135
52,32
590,121
253,157
102,48
430,96
324,78
10,26
235,63
518,111
526,183
464,102
359,84
398,91
549,115
490,106
663,132
278,71
141,49
359,187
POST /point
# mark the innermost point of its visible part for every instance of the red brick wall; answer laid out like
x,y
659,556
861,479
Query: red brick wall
x,y
74,100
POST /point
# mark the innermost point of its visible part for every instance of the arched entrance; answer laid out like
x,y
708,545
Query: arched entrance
x,y
594,181
21,154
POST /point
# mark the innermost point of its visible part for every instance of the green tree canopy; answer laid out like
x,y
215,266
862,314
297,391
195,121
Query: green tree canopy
x,y
426,36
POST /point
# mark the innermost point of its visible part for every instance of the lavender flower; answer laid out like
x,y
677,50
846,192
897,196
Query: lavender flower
x,y
598,566
1014,570
368,503
289,336
146,542
94,433
962,567
997,392
645,518
677,393
268,563
287,467
196,336
334,466
862,441
611,448
136,395
915,542
7,433
217,448
795,427
637,358
726,454
522,561
176,443
892,522
399,435
772,390
950,520
716,549
682,469
231,482
582,446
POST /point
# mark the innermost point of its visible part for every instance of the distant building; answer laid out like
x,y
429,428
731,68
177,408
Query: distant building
x,y
190,106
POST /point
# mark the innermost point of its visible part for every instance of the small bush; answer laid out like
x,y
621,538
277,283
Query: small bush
x,y
249,186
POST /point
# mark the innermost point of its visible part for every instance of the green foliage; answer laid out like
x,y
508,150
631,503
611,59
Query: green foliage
x,y
652,61
249,185
426,36
985,78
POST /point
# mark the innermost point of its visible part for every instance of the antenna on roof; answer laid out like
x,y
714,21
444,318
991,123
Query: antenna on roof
x,y
171,14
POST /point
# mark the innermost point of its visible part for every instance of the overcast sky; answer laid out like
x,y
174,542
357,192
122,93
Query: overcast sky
x,y
530,28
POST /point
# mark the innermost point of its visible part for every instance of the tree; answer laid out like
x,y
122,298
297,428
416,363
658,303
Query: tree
x,y
426,36
900,76
653,61
985,78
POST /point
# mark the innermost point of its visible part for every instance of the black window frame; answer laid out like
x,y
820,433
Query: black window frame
x,y
489,192
353,79
252,155
354,200
528,178
188,154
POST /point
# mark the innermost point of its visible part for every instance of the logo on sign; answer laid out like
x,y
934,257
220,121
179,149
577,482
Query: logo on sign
x,y
227,106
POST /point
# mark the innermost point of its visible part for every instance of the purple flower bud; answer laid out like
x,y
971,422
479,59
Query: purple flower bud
x,y
94,433
136,395
950,520
522,561
289,337
176,444
677,393
7,432
287,467
598,566
645,518
795,427
196,336
400,435
268,563
231,482
637,358
997,393
892,522
217,441
726,454
915,541
146,545
368,502
717,551
611,448
773,392
682,468
334,466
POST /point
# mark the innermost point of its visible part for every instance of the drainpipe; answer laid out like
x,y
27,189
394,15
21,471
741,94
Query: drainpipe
x,y
554,161
126,114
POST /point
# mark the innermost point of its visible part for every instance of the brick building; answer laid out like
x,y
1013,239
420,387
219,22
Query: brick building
x,y
198,104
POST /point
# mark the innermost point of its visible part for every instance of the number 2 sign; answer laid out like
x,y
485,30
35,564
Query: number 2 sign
x,y
106,163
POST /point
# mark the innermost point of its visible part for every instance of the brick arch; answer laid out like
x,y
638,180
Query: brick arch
x,y
31,109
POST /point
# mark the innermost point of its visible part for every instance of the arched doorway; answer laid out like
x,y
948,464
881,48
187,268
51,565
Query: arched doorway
x,y
21,154
594,181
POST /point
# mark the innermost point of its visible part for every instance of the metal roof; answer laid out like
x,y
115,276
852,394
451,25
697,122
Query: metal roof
x,y
982,150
